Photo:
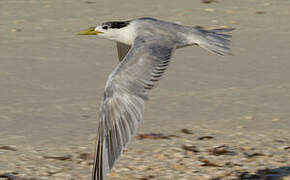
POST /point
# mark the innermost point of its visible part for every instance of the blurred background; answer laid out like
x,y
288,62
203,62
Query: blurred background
x,y
211,117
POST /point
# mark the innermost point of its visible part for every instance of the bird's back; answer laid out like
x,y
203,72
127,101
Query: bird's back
x,y
151,28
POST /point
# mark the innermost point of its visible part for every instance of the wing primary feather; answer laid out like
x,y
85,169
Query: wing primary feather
x,y
123,103
99,170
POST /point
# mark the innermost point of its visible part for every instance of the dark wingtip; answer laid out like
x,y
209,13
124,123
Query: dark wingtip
x,y
98,173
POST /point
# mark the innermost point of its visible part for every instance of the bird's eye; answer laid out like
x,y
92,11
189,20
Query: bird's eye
x,y
105,27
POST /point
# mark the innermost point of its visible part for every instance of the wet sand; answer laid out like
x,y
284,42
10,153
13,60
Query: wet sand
x,y
52,81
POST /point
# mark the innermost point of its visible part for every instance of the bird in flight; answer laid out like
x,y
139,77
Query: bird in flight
x,y
145,47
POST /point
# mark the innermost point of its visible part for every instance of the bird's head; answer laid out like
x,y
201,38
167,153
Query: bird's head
x,y
121,31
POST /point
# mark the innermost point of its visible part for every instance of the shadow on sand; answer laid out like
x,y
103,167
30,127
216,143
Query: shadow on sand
x,y
264,174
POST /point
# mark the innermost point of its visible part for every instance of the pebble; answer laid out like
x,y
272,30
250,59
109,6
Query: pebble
x,y
208,1
260,12
164,161
114,174
209,9
234,22
285,178
240,127
229,11
249,117
275,119
16,30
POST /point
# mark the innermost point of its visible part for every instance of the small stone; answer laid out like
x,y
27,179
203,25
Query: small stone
x,y
209,9
207,162
240,127
16,30
186,131
251,155
205,138
286,147
260,12
208,1
152,136
158,156
9,148
177,167
229,11
86,156
67,176
85,108
178,155
214,21
275,119
246,148
123,170
221,150
62,158
190,148
249,117
90,2
234,22
285,178
114,174
141,167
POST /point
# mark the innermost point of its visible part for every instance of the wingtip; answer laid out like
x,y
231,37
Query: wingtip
x,y
99,171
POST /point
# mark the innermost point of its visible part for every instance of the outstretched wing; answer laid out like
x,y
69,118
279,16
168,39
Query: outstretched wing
x,y
123,103
122,50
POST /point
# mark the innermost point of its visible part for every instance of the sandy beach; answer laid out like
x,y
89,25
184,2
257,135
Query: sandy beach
x,y
215,117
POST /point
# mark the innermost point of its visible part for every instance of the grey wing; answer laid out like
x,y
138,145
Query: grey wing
x,y
123,103
122,50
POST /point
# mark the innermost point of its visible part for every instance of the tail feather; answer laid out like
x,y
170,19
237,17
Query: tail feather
x,y
214,41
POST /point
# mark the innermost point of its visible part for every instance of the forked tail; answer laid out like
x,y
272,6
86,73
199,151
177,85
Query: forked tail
x,y
214,40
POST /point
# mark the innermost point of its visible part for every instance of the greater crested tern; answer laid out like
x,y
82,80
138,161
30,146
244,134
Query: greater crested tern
x,y
145,46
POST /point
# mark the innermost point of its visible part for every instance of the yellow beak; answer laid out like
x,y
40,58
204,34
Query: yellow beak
x,y
90,31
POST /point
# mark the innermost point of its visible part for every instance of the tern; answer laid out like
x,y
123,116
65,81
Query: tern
x,y
145,47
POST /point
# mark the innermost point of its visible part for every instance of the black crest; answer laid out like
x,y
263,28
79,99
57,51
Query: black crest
x,y
116,24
